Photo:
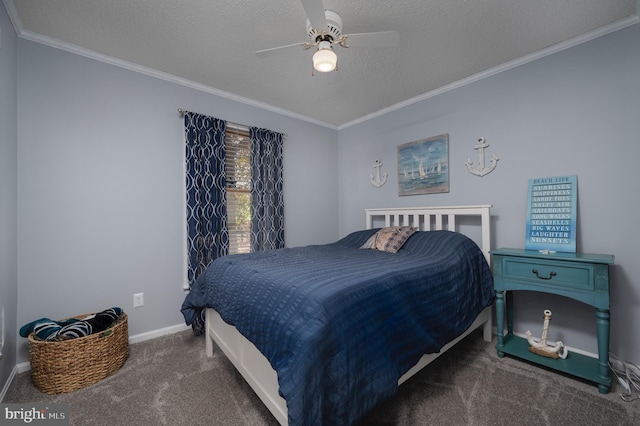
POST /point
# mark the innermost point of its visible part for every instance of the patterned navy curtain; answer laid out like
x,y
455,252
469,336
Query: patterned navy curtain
x,y
267,201
207,235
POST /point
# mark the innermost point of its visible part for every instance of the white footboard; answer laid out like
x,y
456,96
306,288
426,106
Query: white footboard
x,y
483,320
249,361
262,378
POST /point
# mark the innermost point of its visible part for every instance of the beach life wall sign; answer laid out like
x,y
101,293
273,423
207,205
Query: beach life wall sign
x,y
551,214
423,166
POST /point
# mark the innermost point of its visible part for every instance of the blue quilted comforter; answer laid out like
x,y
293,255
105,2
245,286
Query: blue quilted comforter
x,y
340,324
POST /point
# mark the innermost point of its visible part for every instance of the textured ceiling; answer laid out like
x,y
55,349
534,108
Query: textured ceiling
x,y
213,44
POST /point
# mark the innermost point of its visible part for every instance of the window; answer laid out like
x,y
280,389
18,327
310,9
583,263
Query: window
x,y
251,161
238,172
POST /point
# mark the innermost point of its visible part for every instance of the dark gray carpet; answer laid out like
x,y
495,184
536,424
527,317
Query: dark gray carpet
x,y
169,381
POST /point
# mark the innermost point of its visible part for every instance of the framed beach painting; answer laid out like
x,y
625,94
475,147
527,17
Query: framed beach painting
x,y
423,166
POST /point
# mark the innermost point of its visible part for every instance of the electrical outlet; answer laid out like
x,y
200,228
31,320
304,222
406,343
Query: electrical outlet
x,y
138,300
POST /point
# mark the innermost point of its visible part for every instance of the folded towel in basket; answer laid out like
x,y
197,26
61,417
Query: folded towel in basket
x,y
47,329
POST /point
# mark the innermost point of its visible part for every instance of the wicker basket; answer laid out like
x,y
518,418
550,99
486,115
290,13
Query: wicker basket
x,y
68,365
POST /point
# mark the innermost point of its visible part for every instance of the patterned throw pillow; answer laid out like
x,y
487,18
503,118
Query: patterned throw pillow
x,y
390,239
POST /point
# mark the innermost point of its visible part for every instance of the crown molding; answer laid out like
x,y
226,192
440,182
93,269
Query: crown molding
x,y
583,38
72,48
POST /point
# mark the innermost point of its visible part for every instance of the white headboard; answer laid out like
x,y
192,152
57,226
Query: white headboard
x,y
435,218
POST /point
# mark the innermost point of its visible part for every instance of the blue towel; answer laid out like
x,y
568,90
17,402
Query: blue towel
x,y
48,329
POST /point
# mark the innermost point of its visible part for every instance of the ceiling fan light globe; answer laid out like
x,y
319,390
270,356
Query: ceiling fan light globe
x,y
325,60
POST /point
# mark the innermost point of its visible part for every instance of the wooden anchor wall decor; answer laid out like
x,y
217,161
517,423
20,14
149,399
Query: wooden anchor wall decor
x,y
378,180
482,170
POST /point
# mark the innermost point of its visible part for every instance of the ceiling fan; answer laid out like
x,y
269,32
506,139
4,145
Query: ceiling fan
x,y
324,31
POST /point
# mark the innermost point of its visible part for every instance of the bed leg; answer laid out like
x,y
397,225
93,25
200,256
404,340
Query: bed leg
x,y
209,346
486,330
207,337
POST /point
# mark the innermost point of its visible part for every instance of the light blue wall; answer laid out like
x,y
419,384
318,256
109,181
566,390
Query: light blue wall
x,y
100,186
99,194
8,197
576,112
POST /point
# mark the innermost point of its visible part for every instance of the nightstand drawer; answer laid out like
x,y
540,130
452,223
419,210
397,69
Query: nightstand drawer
x,y
549,273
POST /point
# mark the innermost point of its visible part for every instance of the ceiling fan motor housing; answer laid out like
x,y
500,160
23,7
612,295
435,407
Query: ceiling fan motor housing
x,y
334,24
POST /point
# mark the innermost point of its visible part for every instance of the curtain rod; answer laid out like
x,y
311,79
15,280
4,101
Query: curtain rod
x,y
233,126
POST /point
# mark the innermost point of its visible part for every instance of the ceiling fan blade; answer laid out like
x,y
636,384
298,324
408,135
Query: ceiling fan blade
x,y
266,53
379,39
315,14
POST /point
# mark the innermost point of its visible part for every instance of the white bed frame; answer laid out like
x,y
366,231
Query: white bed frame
x,y
255,368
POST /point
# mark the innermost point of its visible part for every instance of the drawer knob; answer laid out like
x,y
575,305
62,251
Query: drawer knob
x,y
551,274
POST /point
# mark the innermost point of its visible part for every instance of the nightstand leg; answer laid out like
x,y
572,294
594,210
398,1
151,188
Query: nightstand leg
x,y
500,322
602,330
509,297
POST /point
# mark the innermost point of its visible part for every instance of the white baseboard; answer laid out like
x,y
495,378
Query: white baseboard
x,y
494,330
5,389
569,348
157,333
25,366
22,367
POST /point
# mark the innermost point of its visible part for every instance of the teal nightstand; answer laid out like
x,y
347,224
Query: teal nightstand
x,y
580,276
